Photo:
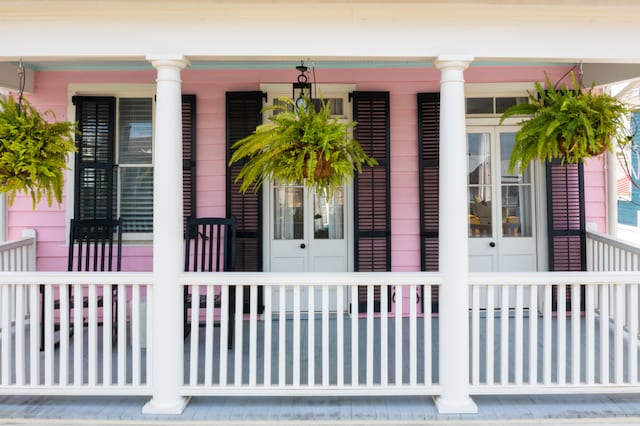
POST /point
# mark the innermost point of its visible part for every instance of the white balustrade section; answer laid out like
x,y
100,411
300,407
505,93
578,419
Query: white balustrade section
x,y
311,334
19,256
606,253
528,337
88,347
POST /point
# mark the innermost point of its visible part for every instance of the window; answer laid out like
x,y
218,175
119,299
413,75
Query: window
x,y
492,105
114,162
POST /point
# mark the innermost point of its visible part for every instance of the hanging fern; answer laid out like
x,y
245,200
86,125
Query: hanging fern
x,y
570,124
299,144
33,152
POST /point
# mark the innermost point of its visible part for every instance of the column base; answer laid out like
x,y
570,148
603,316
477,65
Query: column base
x,y
176,407
450,406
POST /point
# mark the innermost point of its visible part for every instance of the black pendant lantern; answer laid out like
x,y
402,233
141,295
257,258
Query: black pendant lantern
x,y
302,87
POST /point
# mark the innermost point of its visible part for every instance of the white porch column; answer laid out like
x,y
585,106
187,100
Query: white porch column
x,y
454,260
611,167
166,318
3,217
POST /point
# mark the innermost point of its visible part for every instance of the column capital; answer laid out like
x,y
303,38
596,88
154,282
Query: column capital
x,y
172,60
453,61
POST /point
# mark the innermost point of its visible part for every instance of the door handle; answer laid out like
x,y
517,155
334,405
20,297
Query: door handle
x,y
303,245
492,244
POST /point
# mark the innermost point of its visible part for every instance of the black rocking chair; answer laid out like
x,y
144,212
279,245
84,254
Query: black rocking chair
x,y
210,246
95,245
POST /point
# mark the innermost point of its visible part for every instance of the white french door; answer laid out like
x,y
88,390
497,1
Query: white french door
x,y
309,231
502,228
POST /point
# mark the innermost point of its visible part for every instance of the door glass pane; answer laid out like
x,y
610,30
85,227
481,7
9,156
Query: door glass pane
x,y
479,181
516,193
328,216
288,212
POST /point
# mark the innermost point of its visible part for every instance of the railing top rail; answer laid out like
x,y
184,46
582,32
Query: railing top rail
x,y
311,278
615,242
553,278
98,278
17,243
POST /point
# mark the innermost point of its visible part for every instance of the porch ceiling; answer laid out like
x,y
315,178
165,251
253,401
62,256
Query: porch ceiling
x,y
260,34
570,31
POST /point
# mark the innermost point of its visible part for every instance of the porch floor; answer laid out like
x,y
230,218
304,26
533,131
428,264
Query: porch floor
x,y
386,410
494,410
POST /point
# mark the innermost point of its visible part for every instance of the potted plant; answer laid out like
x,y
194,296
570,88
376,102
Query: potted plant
x,y
300,144
567,123
33,151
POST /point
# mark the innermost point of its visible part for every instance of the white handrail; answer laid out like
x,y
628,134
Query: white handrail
x,y
606,253
20,254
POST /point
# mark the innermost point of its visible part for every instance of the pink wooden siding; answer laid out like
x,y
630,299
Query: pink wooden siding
x,y
210,87
595,193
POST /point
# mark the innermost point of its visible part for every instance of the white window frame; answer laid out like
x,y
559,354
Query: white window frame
x,y
118,91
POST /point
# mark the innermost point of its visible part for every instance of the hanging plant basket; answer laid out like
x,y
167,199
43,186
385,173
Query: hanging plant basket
x,y
299,144
570,124
323,167
33,151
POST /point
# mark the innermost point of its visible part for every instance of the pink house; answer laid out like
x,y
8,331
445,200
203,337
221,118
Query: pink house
x,y
436,272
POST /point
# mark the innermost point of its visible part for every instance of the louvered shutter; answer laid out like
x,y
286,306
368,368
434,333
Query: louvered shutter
x,y
189,155
94,161
372,200
429,169
95,191
566,219
243,115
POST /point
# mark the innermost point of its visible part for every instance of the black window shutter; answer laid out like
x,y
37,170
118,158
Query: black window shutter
x,y
566,219
243,115
566,216
189,155
429,169
94,161
372,199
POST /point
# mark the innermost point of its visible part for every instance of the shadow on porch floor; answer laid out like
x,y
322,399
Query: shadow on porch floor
x,y
503,410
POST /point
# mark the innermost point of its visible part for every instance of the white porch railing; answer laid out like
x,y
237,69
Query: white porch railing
x,y
19,255
605,253
545,344
77,355
308,340
525,336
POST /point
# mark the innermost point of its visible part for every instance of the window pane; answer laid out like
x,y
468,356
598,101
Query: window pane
x,y
335,105
328,216
289,213
516,193
479,158
479,180
135,131
479,105
136,199
480,212
516,211
503,103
